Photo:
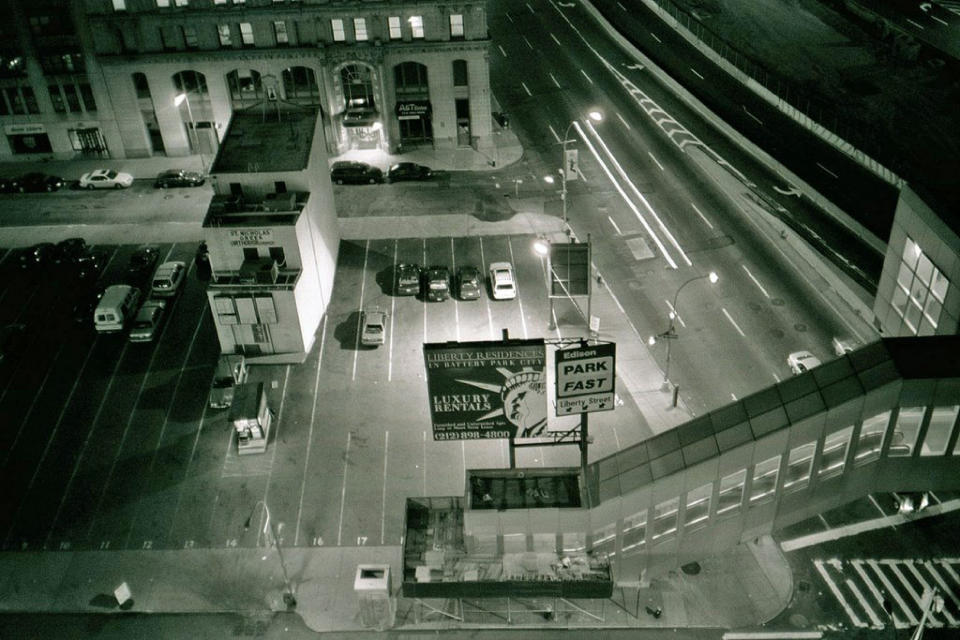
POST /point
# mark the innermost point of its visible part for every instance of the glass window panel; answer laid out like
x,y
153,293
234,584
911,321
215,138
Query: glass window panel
x,y
904,276
932,311
912,319
246,33
604,540
119,5
731,492
911,251
939,285
280,30
938,432
924,270
58,105
416,26
698,505
764,479
86,92
72,98
899,301
339,35
665,518
635,531
834,455
906,431
456,25
573,542
360,29
394,23
799,465
918,292
871,438
223,30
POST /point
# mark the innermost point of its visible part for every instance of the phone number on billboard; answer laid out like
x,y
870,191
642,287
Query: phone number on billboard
x,y
470,435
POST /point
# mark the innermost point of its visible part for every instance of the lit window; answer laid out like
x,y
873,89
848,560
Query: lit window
x,y
920,291
764,479
834,455
698,505
339,35
665,518
239,1
871,438
456,25
181,3
906,431
731,492
163,3
246,33
799,464
360,29
416,26
938,432
635,531
223,30
280,30
394,23
119,5
604,540
219,1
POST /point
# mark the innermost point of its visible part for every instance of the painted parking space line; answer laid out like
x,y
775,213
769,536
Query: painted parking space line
x,y
313,419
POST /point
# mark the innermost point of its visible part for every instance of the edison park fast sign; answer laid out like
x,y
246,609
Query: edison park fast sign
x,y
585,378
481,390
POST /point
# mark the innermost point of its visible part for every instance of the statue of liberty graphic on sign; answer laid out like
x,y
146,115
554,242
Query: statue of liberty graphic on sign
x,y
524,397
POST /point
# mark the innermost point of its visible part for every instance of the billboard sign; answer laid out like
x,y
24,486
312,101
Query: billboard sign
x,y
585,378
569,270
481,390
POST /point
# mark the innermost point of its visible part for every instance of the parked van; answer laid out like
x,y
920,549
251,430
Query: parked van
x,y
116,307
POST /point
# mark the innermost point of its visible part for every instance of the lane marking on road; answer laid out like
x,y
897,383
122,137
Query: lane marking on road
x,y
508,16
772,635
531,9
343,487
734,396
624,122
456,303
393,314
891,591
555,40
502,52
730,318
759,121
858,567
621,6
655,161
524,85
313,417
363,285
554,80
776,377
826,525
619,233
486,299
756,282
916,24
523,320
827,170
702,217
697,73
676,316
556,137
941,21
278,420
423,461
383,489
654,36
586,76
530,46
818,564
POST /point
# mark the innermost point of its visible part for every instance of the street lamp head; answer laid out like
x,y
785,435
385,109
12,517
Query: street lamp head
x,y
652,340
178,100
713,277
596,116
548,179
541,247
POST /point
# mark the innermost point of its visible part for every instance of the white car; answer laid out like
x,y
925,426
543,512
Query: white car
x,y
374,323
105,179
147,323
168,278
802,361
503,286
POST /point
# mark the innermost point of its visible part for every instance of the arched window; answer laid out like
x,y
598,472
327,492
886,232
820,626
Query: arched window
x,y
300,85
245,88
410,79
357,84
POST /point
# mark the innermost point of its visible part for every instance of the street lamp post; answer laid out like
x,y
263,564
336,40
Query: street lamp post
x,y
288,598
671,333
596,116
195,139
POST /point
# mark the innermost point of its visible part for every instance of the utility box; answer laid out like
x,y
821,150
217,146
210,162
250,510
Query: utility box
x,y
372,585
251,418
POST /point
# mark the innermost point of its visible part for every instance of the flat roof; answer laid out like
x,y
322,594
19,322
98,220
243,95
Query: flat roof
x,y
262,140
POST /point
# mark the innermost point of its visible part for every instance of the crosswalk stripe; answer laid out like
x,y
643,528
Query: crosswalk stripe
x,y
858,567
877,623
946,567
893,592
836,594
913,594
912,566
943,585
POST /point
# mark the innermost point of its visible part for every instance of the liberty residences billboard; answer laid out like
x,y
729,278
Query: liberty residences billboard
x,y
481,390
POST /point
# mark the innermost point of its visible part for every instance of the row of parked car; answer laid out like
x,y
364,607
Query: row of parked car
x,y
37,182
351,172
434,283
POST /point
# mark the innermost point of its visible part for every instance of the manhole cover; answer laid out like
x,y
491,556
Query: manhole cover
x,y
755,307
691,569
777,302
800,327
799,621
777,333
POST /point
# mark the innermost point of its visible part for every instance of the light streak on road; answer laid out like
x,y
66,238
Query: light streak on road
x,y
624,122
343,487
555,40
696,73
554,81
941,21
655,161
827,170
759,121
586,76
619,233
654,36
313,416
383,489
636,191
524,85
735,326
502,52
756,282
529,46
702,217
916,24
508,16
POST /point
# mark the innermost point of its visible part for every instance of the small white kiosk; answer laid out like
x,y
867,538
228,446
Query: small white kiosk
x,y
372,586
251,418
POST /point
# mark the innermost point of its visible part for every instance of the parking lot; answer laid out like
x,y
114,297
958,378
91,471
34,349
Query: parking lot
x,y
109,444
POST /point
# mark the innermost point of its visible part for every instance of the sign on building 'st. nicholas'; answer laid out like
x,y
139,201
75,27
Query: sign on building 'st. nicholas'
x,y
585,378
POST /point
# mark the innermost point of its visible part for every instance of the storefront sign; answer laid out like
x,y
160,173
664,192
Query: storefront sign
x,y
24,129
413,110
487,389
251,237
585,378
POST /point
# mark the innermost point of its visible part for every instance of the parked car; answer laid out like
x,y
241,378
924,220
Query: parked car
x,y
7,185
168,278
231,371
408,171
802,361
140,267
146,324
83,310
179,178
37,255
88,264
105,179
436,283
503,286
348,172
359,117
468,283
68,251
374,327
38,182
408,279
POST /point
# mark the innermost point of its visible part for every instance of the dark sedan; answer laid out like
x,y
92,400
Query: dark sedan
x,y
38,182
408,171
8,185
179,178
37,255
344,172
